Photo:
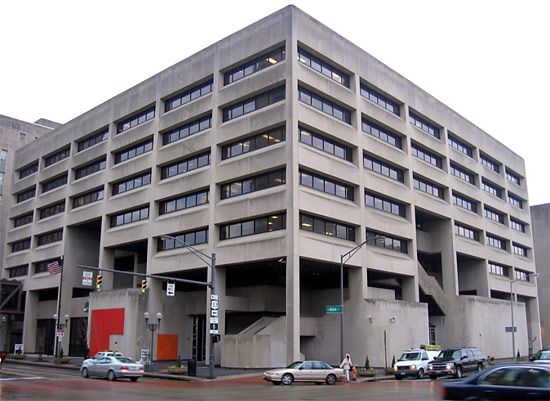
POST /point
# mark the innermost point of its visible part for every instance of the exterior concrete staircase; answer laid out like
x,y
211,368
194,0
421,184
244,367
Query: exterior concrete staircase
x,y
431,287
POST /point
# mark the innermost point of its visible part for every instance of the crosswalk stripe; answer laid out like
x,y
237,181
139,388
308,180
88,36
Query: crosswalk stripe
x,y
5,379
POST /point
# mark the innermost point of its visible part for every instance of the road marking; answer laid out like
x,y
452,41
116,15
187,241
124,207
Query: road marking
x,y
5,379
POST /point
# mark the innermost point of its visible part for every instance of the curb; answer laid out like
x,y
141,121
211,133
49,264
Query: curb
x,y
165,376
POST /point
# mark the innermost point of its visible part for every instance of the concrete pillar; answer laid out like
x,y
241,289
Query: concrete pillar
x,y
410,289
29,324
221,274
107,260
293,308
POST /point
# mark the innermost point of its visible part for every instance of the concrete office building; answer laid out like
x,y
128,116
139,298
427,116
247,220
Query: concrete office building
x,y
541,239
14,133
279,148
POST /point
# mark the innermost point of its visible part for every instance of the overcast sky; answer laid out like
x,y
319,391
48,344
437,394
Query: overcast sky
x,y
489,60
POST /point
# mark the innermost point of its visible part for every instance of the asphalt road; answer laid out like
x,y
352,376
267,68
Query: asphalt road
x,y
19,382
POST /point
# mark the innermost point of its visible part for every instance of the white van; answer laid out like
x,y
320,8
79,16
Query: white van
x,y
413,363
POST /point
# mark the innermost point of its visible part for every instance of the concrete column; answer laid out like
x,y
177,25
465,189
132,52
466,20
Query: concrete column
x,y
29,324
155,303
221,274
107,260
293,308
410,289
534,334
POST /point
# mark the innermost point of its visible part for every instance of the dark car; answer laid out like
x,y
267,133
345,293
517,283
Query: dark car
x,y
538,354
456,361
504,382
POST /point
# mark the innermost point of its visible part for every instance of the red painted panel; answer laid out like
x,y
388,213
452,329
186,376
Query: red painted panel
x,y
104,323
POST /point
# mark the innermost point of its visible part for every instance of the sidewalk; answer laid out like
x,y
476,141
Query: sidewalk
x,y
160,368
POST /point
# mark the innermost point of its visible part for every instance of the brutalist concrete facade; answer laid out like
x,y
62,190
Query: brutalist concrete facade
x,y
14,133
540,215
293,146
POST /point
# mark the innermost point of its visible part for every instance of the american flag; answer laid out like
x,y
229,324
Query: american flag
x,y
56,266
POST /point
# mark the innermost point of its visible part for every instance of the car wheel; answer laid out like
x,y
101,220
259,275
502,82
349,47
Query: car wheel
x,y
85,373
458,373
433,377
420,373
287,379
111,376
134,379
331,379
479,367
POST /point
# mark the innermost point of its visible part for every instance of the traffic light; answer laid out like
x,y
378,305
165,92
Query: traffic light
x,y
143,285
98,282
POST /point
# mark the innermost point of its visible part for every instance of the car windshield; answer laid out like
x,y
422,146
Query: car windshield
x,y
124,360
544,356
294,365
448,354
410,356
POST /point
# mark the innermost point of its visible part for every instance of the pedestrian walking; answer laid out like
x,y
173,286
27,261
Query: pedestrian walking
x,y
347,365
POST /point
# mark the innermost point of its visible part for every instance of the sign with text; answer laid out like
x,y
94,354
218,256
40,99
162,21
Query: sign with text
x,y
508,329
334,309
87,278
214,309
170,289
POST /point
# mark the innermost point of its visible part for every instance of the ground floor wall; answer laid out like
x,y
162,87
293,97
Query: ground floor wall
x,y
481,322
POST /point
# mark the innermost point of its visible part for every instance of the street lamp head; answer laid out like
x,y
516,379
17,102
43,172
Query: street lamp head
x,y
146,316
159,316
66,318
55,316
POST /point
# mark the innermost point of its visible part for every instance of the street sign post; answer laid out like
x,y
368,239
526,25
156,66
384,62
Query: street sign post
x,y
329,309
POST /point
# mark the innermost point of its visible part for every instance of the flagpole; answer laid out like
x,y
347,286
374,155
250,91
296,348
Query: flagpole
x,y
56,342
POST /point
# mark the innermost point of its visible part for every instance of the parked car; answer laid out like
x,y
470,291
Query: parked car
x,y
413,363
537,355
543,357
112,368
524,382
456,361
100,355
307,371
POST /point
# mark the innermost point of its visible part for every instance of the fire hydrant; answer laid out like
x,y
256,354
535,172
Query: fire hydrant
x,y
353,373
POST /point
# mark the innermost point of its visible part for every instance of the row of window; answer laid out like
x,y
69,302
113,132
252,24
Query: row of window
x,y
325,144
264,61
253,184
255,103
130,216
490,239
254,142
324,105
500,270
326,185
41,239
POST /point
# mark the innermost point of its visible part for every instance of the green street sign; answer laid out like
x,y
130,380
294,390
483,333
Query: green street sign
x,y
334,309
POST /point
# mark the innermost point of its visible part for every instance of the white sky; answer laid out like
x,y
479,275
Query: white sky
x,y
489,60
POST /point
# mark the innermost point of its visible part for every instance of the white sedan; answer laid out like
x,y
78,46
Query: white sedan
x,y
100,355
307,371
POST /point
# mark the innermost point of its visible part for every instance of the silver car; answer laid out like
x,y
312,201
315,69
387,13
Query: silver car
x,y
112,368
100,355
307,371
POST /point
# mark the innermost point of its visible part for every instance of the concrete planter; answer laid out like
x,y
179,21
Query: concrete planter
x,y
177,370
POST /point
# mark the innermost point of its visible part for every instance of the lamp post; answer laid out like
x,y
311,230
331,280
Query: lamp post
x,y
512,281
211,263
59,332
152,327
343,259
